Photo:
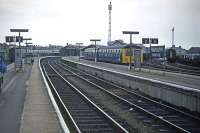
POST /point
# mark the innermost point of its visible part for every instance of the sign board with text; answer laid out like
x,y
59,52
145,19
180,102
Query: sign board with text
x,y
14,39
149,40
157,51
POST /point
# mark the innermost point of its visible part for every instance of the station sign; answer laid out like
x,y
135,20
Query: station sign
x,y
19,39
149,40
153,40
145,40
157,51
14,39
9,39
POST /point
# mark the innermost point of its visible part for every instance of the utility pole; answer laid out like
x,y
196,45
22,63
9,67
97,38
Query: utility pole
x,y
131,51
79,45
109,23
95,42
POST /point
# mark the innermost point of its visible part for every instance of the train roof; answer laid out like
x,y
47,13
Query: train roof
x,y
138,46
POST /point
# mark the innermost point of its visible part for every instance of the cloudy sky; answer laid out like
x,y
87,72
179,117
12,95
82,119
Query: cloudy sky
x,y
62,21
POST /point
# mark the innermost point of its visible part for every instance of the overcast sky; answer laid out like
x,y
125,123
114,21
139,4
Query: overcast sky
x,y
62,21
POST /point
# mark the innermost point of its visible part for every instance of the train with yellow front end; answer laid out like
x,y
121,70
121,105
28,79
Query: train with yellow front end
x,y
121,54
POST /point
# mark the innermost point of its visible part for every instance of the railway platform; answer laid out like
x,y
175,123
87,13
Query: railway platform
x,y
178,89
38,116
169,77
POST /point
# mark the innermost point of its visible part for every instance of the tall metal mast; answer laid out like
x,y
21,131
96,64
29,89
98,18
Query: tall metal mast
x,y
109,28
172,36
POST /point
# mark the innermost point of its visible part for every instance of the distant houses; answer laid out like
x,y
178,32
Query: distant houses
x,y
180,52
193,53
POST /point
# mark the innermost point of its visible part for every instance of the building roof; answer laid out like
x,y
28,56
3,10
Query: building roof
x,y
4,45
194,50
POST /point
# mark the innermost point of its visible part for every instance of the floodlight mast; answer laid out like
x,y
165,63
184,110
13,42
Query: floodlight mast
x,y
130,33
109,22
95,40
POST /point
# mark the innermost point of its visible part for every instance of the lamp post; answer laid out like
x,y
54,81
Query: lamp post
x,y
79,46
95,42
130,33
19,40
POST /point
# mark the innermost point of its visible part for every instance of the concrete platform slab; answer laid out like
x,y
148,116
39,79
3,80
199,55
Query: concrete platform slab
x,y
177,89
39,115
169,77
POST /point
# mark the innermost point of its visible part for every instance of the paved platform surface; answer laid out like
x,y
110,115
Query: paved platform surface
x,y
174,78
12,99
39,115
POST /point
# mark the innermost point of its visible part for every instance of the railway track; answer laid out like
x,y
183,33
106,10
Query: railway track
x,y
82,114
185,66
166,118
174,68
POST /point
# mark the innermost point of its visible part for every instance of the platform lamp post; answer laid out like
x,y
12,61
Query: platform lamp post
x,y
130,33
79,46
19,40
95,42
19,31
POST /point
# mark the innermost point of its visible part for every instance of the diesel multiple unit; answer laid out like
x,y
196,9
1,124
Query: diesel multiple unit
x,y
122,54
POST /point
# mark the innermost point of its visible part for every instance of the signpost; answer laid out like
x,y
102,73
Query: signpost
x,y
150,41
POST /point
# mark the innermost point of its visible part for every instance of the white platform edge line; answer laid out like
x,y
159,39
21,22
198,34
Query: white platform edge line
x,y
61,120
138,77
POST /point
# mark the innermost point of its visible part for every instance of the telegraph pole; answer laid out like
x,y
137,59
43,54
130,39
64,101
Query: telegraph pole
x,y
95,42
131,51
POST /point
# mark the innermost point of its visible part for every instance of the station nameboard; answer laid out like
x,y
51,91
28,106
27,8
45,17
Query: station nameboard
x,y
9,39
19,39
150,40
154,40
157,51
14,39
145,40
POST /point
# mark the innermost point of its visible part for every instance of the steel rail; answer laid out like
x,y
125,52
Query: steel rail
x,y
117,125
139,95
57,95
174,69
144,110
